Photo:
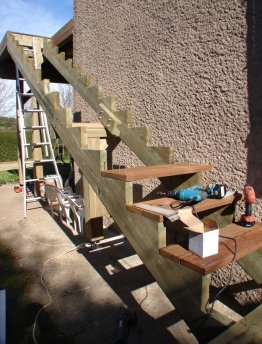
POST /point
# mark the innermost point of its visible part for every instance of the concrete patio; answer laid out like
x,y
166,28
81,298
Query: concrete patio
x,y
89,287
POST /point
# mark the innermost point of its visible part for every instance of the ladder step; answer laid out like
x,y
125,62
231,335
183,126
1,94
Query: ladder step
x,y
38,161
33,110
41,179
26,94
36,144
33,199
35,127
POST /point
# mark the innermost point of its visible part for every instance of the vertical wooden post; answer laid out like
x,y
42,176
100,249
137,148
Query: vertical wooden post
x,y
37,151
94,209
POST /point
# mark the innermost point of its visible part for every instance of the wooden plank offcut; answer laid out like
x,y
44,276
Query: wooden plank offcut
x,y
157,171
11,165
166,202
248,240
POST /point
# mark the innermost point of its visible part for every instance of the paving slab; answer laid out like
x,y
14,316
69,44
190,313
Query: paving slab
x,y
88,288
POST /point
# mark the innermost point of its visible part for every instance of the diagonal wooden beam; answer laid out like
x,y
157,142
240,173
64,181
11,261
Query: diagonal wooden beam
x,y
114,121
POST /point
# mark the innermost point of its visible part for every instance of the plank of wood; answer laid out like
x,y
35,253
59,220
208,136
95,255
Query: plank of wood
x,y
172,215
190,220
252,265
94,209
245,331
37,43
93,223
89,130
166,202
248,241
64,34
9,165
93,125
38,170
147,172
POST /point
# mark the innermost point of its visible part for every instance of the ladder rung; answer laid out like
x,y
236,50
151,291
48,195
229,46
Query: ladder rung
x,y
33,199
21,79
41,179
35,127
26,94
38,161
36,144
33,110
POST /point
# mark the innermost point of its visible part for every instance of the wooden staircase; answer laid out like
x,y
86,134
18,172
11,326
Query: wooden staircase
x,y
186,287
118,123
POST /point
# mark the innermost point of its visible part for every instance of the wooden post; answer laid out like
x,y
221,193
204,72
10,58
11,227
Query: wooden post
x,y
36,135
37,151
94,209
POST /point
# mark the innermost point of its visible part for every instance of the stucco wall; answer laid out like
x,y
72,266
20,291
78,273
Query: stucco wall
x,y
189,69
181,66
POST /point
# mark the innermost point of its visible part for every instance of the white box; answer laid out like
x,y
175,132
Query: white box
x,y
205,244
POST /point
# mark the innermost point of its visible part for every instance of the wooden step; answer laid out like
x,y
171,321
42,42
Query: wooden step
x,y
92,129
165,203
157,171
248,240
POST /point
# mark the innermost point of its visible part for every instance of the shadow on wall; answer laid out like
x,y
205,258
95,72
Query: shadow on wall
x,y
254,69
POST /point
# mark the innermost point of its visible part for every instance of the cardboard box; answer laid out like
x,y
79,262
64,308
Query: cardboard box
x,y
206,243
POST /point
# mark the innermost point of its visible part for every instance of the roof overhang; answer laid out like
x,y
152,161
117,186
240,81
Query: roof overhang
x,y
62,38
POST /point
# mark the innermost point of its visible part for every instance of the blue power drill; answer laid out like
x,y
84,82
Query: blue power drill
x,y
194,194
198,193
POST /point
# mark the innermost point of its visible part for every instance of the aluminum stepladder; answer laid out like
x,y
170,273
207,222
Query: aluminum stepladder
x,y
44,144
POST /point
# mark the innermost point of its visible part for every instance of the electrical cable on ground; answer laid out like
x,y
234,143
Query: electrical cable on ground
x,y
46,288
38,242
209,312
230,273
81,246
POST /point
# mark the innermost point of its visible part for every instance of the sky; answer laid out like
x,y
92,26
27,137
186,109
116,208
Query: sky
x,y
37,17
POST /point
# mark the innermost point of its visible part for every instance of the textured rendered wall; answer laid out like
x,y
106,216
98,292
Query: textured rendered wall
x,y
192,71
183,69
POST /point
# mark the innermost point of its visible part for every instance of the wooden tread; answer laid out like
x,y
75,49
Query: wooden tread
x,y
248,240
92,130
157,171
166,202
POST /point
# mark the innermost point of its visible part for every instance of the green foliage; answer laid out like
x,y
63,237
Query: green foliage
x,y
8,146
8,139
8,177
8,152
7,124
